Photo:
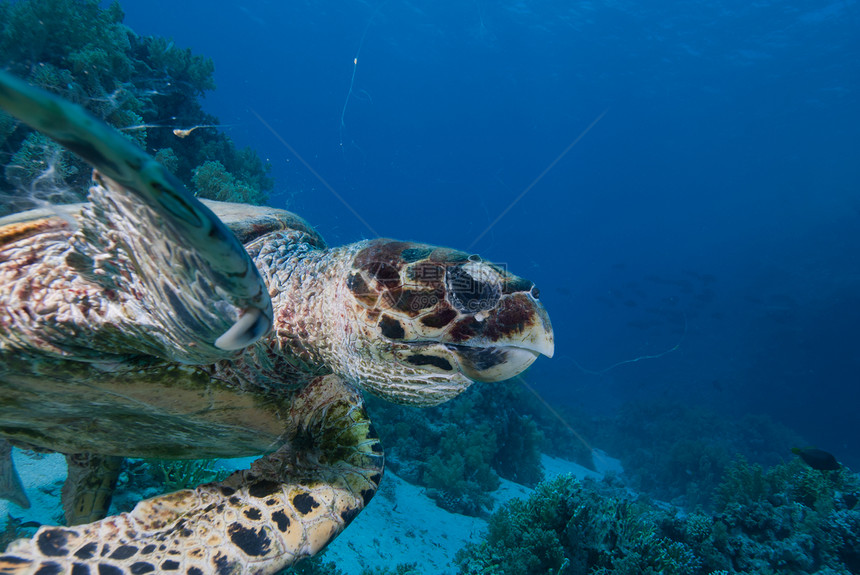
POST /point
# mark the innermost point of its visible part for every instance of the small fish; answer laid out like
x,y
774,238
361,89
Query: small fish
x,y
817,458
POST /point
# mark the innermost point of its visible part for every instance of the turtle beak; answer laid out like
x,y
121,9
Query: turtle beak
x,y
517,332
539,338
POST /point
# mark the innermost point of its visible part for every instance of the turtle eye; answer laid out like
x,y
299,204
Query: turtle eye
x,y
535,292
472,287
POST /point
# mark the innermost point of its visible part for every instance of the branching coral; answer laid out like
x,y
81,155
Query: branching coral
x,y
193,73
485,435
72,47
788,520
459,475
568,526
174,475
143,478
141,85
167,158
212,180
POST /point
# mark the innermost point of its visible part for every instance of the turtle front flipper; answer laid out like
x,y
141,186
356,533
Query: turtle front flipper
x,y
10,484
145,233
289,505
89,486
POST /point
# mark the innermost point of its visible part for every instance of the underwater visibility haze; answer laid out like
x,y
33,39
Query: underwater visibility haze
x,y
681,181
715,203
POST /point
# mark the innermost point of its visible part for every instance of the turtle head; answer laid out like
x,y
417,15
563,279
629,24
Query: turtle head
x,y
426,321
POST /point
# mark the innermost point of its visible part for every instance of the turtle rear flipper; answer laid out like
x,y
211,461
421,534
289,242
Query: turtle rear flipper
x,y
10,484
186,265
288,506
89,486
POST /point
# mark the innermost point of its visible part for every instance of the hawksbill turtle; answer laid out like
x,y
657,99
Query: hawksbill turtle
x,y
147,323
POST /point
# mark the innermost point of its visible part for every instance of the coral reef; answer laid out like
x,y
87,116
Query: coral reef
x,y
460,449
680,453
317,565
567,527
669,451
564,429
145,86
143,478
176,474
460,474
212,180
789,519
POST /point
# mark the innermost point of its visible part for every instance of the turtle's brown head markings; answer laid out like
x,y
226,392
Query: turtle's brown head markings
x,y
427,321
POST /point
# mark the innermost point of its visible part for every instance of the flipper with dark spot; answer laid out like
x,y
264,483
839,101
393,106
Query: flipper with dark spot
x,y
289,505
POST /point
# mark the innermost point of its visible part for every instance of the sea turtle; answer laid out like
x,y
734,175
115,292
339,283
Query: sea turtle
x,y
146,323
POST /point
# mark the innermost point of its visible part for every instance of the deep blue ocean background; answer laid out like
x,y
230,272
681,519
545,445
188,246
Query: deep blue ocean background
x,y
707,223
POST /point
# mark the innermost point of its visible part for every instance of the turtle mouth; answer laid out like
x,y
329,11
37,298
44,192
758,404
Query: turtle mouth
x,y
489,361
482,359
484,363
489,364
497,362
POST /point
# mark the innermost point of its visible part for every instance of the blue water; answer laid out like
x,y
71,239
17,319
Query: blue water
x,y
710,217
